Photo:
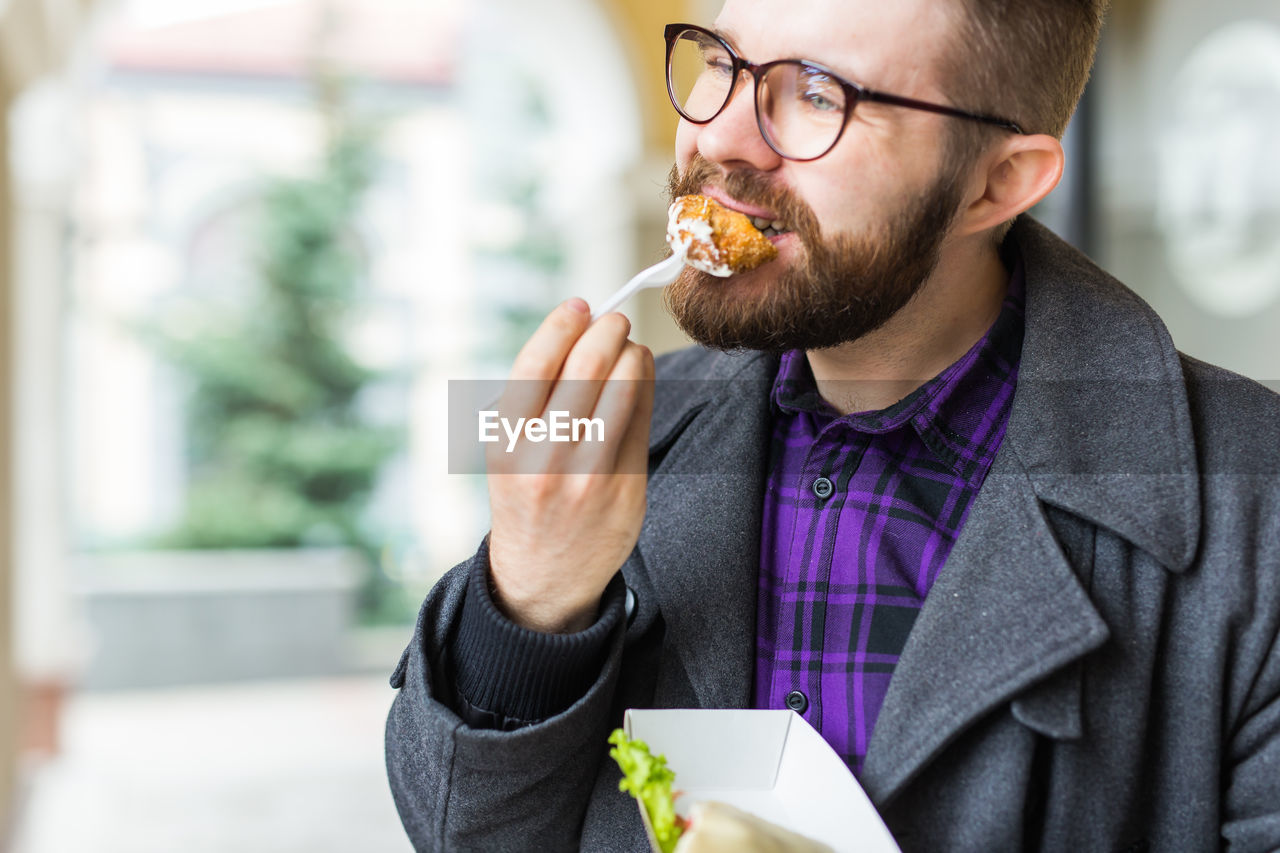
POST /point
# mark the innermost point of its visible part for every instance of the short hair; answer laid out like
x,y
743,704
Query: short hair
x,y
1026,61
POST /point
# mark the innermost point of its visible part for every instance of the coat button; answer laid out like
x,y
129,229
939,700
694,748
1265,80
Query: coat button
x,y
823,488
797,701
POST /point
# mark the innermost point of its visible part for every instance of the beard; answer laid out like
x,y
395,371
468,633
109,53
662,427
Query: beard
x,y
840,289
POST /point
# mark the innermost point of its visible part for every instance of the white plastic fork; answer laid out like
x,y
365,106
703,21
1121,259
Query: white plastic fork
x,y
659,275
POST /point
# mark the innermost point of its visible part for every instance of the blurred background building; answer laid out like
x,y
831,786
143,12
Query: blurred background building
x,y
192,658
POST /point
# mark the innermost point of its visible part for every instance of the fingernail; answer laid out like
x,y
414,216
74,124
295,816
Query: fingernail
x,y
579,305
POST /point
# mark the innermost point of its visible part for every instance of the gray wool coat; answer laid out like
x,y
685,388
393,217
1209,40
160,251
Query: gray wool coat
x,y
1096,668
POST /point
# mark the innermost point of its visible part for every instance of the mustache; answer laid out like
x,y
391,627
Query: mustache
x,y
748,186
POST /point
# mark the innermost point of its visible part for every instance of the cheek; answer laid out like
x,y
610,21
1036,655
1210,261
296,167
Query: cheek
x,y
846,197
836,201
860,174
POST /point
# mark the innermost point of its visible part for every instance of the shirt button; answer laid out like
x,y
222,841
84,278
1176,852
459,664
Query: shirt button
x,y
797,701
630,605
823,488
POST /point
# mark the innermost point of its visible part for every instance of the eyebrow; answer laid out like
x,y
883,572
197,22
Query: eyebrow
x,y
727,34
731,37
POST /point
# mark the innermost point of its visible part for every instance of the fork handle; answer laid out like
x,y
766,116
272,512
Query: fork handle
x,y
660,274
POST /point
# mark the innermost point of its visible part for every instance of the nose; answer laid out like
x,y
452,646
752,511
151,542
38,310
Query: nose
x,y
733,137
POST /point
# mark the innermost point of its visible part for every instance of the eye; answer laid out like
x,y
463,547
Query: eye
x,y
820,92
716,60
820,102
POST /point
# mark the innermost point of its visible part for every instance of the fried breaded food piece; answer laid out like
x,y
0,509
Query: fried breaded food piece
x,y
717,240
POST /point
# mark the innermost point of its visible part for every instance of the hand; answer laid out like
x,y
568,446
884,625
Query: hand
x,y
566,515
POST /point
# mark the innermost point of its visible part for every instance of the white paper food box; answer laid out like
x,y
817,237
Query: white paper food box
x,y
770,763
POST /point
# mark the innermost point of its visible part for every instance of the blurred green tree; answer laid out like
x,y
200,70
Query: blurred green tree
x,y
279,453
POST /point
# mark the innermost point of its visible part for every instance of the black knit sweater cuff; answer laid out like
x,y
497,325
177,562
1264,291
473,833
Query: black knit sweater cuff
x,y
519,674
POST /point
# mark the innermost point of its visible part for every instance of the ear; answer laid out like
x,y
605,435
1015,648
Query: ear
x,y
1011,179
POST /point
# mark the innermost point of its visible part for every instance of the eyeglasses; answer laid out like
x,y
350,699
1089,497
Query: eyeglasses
x,y
801,107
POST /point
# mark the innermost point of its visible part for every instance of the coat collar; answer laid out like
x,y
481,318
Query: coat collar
x,y
1100,420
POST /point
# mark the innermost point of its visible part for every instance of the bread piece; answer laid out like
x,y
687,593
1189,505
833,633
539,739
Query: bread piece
x,y
720,828
715,239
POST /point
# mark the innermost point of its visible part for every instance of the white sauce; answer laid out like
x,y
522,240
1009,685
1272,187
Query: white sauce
x,y
684,234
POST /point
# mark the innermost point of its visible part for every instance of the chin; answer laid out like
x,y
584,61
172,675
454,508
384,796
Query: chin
x,y
736,294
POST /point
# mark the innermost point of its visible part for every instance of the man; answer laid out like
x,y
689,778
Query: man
x,y
949,491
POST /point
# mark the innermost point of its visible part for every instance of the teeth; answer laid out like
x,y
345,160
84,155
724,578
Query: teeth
x,y
770,227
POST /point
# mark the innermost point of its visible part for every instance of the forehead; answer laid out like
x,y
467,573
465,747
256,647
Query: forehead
x,y
877,42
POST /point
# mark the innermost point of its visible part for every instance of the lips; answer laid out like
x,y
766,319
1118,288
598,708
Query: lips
x,y
732,204
765,221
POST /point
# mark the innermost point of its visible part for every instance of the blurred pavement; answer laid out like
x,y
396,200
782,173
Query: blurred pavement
x,y
270,767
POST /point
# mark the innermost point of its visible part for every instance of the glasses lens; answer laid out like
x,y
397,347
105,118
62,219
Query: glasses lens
x,y
802,109
699,75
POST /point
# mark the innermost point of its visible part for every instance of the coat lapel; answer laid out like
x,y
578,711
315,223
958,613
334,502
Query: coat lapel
x,y
1006,612
700,541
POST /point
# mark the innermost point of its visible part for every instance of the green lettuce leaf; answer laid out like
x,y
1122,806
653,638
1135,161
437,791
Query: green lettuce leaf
x,y
647,778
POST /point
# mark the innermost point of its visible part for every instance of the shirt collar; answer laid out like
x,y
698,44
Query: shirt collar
x,y
953,412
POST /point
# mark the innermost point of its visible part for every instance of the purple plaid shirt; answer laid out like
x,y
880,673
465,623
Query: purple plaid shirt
x,y
860,513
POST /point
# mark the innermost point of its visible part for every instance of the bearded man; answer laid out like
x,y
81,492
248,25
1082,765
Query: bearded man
x,y
933,480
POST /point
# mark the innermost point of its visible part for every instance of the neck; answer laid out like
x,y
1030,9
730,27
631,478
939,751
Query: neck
x,y
951,312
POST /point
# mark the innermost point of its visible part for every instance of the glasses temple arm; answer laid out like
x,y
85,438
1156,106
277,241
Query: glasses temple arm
x,y
898,100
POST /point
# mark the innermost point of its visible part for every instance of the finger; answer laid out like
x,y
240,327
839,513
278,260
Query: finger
x,y
619,405
539,361
574,391
588,365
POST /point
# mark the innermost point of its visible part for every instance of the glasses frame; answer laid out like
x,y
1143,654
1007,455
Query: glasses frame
x,y
853,92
